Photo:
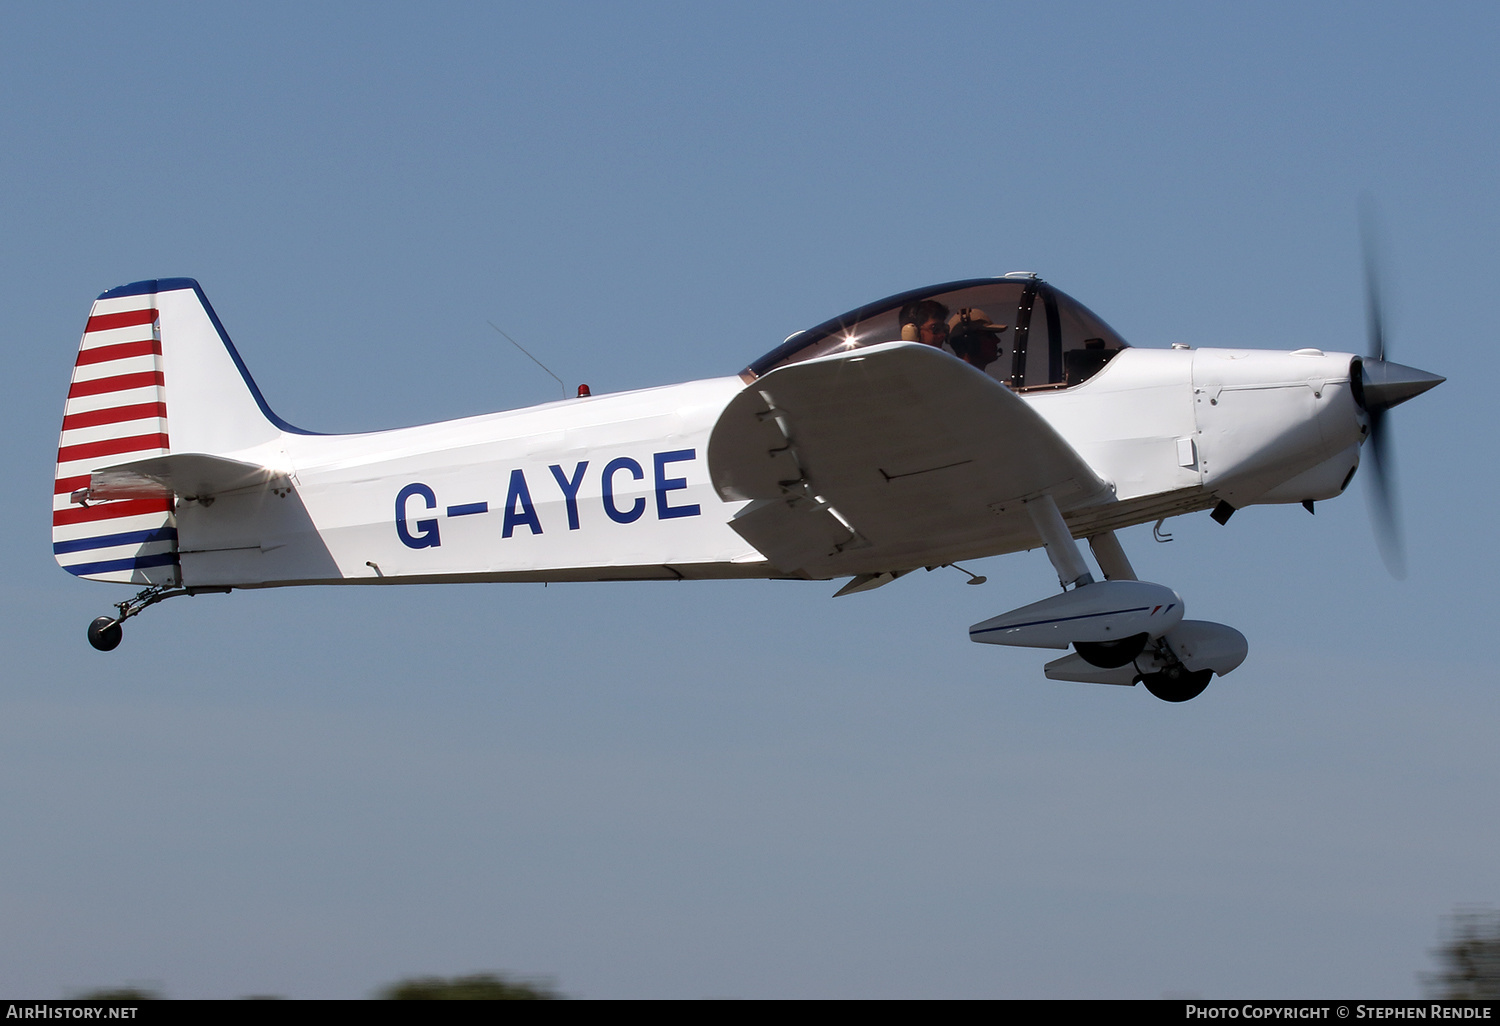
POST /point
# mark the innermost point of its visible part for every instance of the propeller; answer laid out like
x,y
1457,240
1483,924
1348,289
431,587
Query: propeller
x,y
1379,385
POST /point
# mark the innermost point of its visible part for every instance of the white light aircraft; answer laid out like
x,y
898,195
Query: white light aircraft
x,y
964,420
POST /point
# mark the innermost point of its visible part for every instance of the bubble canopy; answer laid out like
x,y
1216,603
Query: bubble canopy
x,y
1017,329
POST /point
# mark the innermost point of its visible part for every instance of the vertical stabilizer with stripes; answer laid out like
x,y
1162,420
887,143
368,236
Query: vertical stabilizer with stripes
x,y
155,375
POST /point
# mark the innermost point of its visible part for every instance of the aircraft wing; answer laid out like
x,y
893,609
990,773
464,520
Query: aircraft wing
x,y
887,458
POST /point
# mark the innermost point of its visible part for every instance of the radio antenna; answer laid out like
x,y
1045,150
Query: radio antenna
x,y
533,359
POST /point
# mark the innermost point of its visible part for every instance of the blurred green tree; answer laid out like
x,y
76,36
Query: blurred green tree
x,y
478,987
1470,958
125,993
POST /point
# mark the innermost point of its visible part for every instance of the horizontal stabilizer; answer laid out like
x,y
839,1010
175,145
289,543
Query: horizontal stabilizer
x,y
191,475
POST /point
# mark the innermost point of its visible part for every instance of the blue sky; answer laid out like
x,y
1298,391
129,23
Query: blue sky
x,y
747,789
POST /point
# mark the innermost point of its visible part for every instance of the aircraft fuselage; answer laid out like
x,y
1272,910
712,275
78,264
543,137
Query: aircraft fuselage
x,y
618,486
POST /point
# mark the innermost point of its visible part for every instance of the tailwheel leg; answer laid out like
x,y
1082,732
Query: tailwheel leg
x,y
105,633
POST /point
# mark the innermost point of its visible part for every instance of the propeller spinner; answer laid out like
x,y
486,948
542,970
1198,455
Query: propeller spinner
x,y
1378,385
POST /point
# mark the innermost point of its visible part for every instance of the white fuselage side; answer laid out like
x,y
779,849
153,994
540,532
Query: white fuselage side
x,y
612,486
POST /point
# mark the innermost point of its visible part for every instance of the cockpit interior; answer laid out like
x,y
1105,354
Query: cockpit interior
x,y
1017,329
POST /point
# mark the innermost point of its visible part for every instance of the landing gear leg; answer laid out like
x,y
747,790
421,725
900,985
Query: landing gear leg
x,y
1062,550
1109,655
105,633
1111,557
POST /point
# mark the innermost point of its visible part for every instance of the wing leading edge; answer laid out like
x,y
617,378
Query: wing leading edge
x,y
888,458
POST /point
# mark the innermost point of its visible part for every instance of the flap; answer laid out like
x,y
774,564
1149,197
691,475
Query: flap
x,y
899,455
189,474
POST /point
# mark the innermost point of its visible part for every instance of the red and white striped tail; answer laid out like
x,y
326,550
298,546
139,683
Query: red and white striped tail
x,y
116,413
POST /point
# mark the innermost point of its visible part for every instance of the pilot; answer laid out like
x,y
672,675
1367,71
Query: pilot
x,y
925,321
974,337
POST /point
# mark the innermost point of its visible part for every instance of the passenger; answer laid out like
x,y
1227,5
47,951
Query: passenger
x,y
925,321
974,337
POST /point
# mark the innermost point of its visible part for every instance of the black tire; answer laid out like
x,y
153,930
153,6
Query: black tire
x,y
1109,655
105,633
1177,683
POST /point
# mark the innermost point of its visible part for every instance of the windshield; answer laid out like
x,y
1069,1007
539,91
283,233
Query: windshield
x,y
1018,329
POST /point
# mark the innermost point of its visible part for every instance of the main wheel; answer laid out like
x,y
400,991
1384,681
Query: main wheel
x,y
1177,683
1108,655
105,633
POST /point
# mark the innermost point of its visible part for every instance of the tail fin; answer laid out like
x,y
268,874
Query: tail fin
x,y
148,348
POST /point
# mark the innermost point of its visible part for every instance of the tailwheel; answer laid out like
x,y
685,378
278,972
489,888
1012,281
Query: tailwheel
x,y
105,633
1177,683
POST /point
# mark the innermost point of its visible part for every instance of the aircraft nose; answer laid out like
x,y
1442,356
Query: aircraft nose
x,y
1384,384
